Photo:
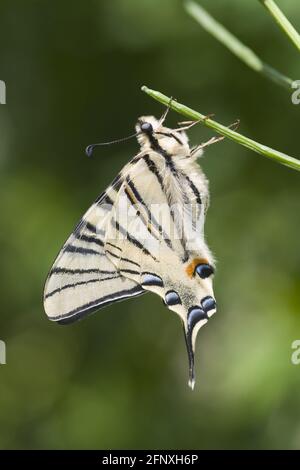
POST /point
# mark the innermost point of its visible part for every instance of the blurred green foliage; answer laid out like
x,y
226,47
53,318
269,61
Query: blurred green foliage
x,y
118,379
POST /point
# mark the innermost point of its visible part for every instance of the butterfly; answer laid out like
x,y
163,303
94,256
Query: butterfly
x,y
145,232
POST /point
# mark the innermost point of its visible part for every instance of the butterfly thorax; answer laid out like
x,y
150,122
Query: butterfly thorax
x,y
183,178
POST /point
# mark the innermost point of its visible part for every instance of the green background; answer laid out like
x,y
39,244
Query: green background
x,y
118,379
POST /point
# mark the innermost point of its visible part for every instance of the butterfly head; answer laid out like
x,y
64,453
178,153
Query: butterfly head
x,y
152,135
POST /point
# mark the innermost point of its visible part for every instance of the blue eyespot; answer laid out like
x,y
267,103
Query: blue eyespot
x,y
172,298
195,315
208,303
147,128
150,279
204,270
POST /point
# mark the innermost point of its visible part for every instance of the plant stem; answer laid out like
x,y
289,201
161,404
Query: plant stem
x,y
282,21
268,152
232,43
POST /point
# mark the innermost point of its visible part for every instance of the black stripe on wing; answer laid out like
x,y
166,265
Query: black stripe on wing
x,y
194,189
62,270
79,283
86,225
80,250
105,198
131,238
144,220
153,168
113,246
88,239
150,215
95,305
121,258
130,271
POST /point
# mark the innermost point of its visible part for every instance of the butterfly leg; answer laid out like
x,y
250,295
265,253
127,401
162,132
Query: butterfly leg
x,y
214,139
188,124
165,113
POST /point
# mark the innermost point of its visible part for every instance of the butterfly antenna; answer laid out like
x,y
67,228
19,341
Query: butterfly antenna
x,y
90,148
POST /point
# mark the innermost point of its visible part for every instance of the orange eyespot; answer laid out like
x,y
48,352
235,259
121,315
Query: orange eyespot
x,y
190,269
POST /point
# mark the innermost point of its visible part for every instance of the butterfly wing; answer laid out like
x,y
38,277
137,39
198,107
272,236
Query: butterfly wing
x,y
142,233
152,234
155,237
145,233
83,279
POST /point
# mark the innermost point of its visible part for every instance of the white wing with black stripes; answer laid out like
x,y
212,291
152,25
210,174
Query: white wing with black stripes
x,y
82,278
145,233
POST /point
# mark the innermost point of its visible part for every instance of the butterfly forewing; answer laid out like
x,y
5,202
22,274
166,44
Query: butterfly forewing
x,y
82,278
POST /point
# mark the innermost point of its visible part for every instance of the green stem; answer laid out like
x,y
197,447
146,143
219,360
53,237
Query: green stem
x,y
268,152
282,21
232,43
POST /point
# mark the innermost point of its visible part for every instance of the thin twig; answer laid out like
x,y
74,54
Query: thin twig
x,y
244,53
283,22
268,152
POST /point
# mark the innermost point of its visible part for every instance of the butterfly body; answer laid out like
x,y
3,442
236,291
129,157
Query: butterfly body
x,y
144,233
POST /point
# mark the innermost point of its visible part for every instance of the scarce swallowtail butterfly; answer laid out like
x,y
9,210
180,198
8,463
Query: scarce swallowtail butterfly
x,y
144,233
